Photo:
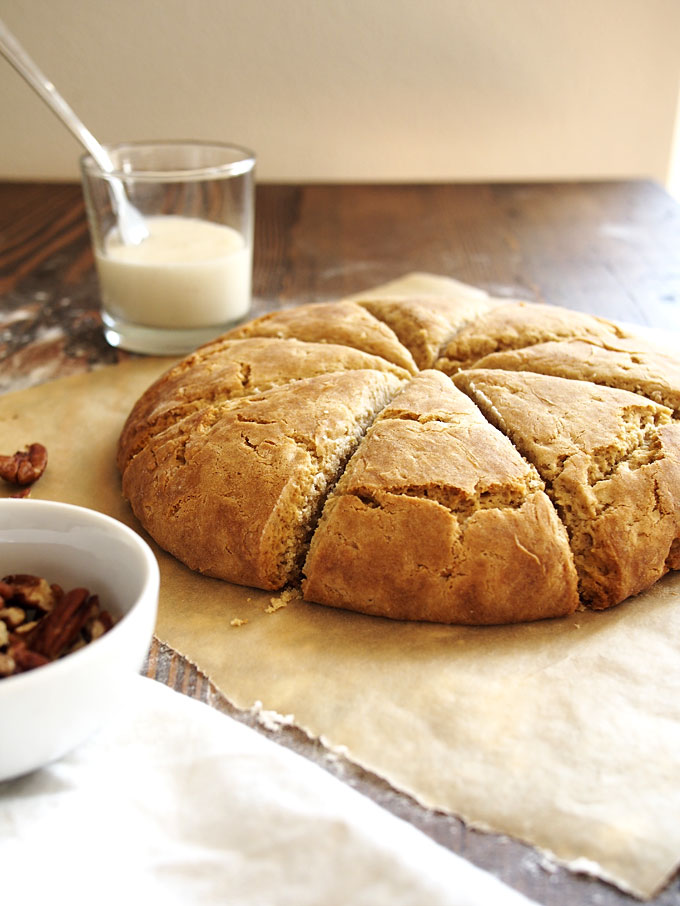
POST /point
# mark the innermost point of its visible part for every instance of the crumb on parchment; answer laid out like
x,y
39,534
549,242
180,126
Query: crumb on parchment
x,y
286,596
237,621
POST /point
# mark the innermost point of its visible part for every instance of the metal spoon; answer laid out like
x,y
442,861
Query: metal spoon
x,y
131,225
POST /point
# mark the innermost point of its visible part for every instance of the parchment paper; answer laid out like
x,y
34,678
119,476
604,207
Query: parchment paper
x,y
564,733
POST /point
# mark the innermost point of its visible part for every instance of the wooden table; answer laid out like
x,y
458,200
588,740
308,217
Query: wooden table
x,y
608,248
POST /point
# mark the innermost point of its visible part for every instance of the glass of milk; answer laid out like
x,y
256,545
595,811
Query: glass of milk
x,y
190,279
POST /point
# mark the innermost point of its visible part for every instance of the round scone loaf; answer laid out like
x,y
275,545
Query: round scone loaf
x,y
459,460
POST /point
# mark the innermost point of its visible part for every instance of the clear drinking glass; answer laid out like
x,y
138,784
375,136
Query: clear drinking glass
x,y
190,279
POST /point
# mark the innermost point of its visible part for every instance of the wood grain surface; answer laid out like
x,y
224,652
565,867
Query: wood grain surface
x,y
610,248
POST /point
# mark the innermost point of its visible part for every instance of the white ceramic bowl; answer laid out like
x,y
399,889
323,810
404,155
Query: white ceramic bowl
x,y
46,712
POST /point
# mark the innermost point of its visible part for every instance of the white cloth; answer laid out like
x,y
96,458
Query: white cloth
x,y
179,804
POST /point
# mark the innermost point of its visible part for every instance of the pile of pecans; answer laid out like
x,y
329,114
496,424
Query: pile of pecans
x,y
40,622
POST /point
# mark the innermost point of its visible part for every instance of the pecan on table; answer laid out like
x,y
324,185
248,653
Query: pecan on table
x,y
24,467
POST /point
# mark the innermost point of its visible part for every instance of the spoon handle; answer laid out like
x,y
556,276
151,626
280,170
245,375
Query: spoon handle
x,y
15,54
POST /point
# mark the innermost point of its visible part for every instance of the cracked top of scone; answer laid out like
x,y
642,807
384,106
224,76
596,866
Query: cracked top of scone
x,y
423,325
231,369
611,463
344,323
626,364
553,418
229,457
437,517
515,325
234,488
434,443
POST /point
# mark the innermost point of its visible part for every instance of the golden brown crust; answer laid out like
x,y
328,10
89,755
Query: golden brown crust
x,y
611,463
626,364
424,325
231,369
228,458
437,517
232,490
344,323
515,325
405,559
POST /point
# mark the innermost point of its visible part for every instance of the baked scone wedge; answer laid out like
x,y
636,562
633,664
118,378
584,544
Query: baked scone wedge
x,y
627,364
611,463
437,517
425,324
234,489
345,323
515,325
231,369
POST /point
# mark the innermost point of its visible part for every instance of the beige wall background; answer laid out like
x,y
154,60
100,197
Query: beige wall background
x,y
355,90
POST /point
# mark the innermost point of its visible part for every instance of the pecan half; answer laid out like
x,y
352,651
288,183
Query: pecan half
x,y
24,658
24,467
57,631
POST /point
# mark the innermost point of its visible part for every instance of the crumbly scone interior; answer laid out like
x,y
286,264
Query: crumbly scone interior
x,y
234,489
624,364
233,369
517,325
611,464
431,459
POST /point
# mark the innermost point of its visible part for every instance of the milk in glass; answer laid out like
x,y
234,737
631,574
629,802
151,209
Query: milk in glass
x,y
188,273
